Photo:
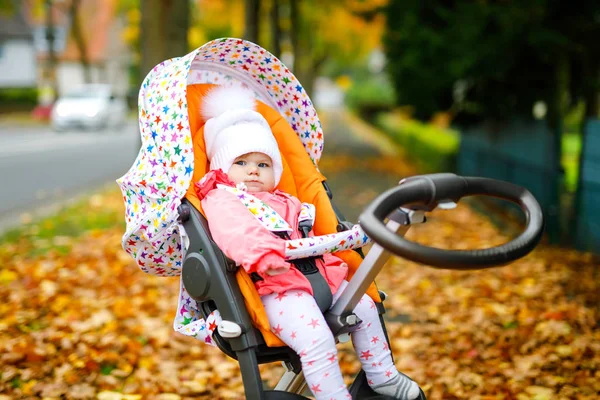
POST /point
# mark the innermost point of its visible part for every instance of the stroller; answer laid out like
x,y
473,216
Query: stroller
x,y
168,235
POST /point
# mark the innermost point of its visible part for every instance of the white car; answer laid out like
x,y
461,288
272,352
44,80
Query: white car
x,y
92,106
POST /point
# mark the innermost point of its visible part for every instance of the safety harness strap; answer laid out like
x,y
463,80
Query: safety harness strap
x,y
308,268
278,226
320,288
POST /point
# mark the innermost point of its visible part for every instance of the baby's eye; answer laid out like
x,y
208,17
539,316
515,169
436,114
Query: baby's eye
x,y
240,162
263,165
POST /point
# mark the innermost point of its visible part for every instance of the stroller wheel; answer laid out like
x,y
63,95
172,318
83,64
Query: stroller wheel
x,y
281,395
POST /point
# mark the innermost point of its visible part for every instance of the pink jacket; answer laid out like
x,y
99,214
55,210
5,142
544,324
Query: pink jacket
x,y
243,238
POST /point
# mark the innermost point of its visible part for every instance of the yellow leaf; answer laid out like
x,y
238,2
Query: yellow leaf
x,y
195,386
27,387
48,288
564,351
7,276
60,303
168,396
425,284
539,393
107,395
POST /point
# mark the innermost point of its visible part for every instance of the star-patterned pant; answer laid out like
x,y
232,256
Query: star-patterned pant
x,y
296,319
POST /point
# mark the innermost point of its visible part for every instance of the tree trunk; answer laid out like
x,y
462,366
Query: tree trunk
x,y
307,62
177,27
312,73
80,41
295,33
163,32
50,73
556,110
275,29
592,96
252,20
300,44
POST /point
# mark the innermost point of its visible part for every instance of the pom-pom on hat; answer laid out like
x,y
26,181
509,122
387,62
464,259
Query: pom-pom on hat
x,y
233,128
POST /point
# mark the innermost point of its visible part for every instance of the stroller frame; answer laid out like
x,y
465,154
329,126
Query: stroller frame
x,y
154,220
209,278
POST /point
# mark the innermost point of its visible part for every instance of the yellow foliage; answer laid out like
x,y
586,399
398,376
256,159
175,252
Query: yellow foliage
x,y
134,15
344,82
342,30
218,15
337,28
351,35
196,37
7,276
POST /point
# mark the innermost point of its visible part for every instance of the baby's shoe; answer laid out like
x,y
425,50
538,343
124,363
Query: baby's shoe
x,y
400,387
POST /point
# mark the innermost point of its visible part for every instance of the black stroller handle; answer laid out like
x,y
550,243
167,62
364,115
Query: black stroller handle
x,y
426,192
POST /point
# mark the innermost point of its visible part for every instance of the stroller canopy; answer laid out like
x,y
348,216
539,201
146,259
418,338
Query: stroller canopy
x,y
170,159
225,60
162,172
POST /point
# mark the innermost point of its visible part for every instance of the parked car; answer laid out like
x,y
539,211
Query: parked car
x,y
92,106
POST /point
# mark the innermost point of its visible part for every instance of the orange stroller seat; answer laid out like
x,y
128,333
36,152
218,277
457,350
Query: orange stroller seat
x,y
300,178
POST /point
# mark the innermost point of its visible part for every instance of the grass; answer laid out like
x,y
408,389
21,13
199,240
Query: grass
x,y
97,212
571,151
433,149
21,118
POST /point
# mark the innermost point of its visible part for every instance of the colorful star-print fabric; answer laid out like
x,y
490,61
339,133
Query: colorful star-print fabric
x,y
154,186
318,245
189,320
263,213
224,60
307,213
305,247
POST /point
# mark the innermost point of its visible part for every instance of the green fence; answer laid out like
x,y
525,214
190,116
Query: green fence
x,y
588,196
523,153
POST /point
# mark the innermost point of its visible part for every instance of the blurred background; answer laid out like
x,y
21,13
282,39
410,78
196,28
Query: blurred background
x,y
503,89
500,89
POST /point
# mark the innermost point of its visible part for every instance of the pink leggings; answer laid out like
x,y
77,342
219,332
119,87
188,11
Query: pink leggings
x,y
296,319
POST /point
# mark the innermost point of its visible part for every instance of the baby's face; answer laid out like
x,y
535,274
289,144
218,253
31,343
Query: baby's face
x,y
255,170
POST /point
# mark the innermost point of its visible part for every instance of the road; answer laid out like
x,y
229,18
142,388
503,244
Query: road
x,y
40,168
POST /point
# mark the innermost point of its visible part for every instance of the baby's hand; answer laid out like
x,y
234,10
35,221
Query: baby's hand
x,y
277,271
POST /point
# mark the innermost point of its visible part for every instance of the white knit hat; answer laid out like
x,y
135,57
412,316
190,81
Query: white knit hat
x,y
233,128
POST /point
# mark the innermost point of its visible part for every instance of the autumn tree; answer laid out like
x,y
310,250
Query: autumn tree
x,y
275,26
79,38
8,7
342,32
252,20
164,31
207,20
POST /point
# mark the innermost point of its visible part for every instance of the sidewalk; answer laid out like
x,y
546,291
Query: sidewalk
x,y
527,331
358,161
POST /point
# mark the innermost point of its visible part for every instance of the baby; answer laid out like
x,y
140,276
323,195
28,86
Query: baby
x,y
244,155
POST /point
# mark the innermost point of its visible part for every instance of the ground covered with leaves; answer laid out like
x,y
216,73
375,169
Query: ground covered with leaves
x,y
78,320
